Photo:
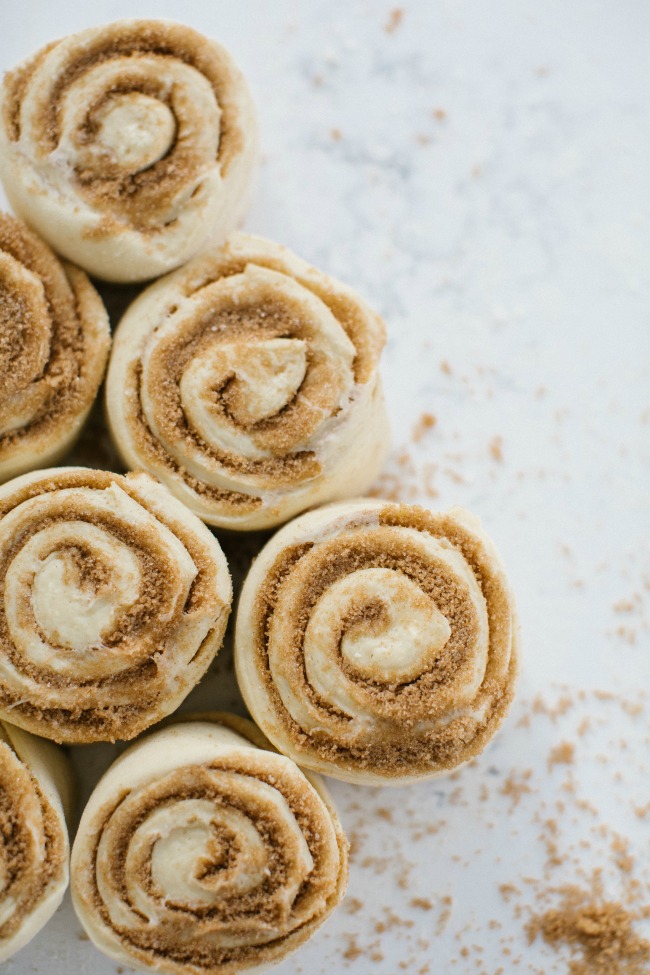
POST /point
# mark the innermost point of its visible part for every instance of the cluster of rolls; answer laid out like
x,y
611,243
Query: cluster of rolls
x,y
374,642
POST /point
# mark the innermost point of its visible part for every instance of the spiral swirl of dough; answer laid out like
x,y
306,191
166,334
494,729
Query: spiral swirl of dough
x,y
34,851
115,601
126,146
201,852
377,642
247,382
54,340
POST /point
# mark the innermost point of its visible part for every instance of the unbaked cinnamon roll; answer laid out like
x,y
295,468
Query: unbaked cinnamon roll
x,y
54,340
248,383
127,146
377,642
35,796
201,851
115,601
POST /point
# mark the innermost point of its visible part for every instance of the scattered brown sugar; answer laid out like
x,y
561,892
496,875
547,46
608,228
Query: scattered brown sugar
x,y
353,905
508,890
517,785
496,449
336,135
439,114
622,857
395,18
404,876
555,710
391,921
384,813
422,903
353,951
444,915
426,422
561,754
599,934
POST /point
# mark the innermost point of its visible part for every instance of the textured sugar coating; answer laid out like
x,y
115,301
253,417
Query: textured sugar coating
x,y
53,349
399,741
120,704
138,196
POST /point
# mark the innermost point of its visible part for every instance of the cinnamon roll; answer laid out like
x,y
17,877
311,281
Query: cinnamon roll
x,y
377,642
35,795
248,383
115,601
54,340
201,851
127,146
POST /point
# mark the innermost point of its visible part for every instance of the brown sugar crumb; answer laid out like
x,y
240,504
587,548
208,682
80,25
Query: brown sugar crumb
x,y
353,905
444,915
599,935
598,922
439,114
515,787
564,703
404,877
353,951
622,857
422,903
633,708
384,813
336,135
426,422
395,18
561,754
445,368
391,921
496,449
508,890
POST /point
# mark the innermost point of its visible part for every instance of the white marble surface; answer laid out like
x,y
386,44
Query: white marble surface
x,y
481,175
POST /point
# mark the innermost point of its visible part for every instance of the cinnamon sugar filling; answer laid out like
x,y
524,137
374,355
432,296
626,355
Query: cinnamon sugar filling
x,y
142,196
143,631
401,709
49,372
345,310
189,934
222,323
26,870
